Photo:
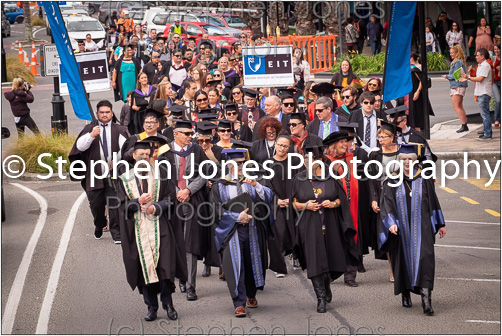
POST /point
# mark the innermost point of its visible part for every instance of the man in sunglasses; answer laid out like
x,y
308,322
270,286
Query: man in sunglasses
x,y
152,68
193,212
250,112
176,70
326,121
367,119
350,104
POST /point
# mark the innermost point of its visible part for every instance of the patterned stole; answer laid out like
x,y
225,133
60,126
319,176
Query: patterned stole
x,y
146,227
411,233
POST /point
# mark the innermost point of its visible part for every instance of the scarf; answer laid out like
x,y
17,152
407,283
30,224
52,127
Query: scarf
x,y
299,142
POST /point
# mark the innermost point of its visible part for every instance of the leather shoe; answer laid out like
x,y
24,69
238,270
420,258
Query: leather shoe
x,y
151,315
183,287
406,300
222,276
206,271
351,283
172,314
191,295
240,311
361,268
251,303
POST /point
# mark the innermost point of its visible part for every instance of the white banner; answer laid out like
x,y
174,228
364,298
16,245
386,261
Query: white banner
x,y
94,71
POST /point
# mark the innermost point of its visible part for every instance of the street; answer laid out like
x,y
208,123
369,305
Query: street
x,y
58,279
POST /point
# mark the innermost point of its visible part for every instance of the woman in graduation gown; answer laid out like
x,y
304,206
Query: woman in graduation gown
x,y
411,218
241,131
141,98
264,148
416,101
325,229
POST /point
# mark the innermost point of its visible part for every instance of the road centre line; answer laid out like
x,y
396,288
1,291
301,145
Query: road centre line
x,y
470,247
50,293
466,222
451,191
493,213
469,279
16,290
469,200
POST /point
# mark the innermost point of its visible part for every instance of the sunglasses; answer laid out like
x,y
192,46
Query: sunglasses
x,y
188,134
177,55
207,141
201,100
217,76
288,104
232,59
226,130
346,97
293,124
372,84
367,103
155,56
243,36
236,93
319,110
231,114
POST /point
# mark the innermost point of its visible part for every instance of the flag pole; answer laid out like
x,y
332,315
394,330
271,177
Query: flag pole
x,y
423,79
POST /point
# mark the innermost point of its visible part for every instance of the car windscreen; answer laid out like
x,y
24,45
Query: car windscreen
x,y
83,26
212,30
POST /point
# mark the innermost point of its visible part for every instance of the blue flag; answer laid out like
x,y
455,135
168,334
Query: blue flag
x,y
397,72
68,68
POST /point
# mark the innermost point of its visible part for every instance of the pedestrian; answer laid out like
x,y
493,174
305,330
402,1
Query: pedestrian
x,y
242,231
176,28
351,36
496,82
457,87
176,69
125,73
100,140
374,85
90,45
483,91
152,68
126,110
240,129
411,216
345,76
326,233
327,119
375,31
416,117
151,264
301,69
443,25
455,36
367,121
482,36
19,97
141,98
350,103
430,40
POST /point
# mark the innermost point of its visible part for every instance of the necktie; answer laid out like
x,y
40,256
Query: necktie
x,y
182,183
105,142
367,131
144,185
326,131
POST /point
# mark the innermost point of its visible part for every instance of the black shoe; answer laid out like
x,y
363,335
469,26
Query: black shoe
x,y
351,283
296,264
483,137
406,299
151,315
321,305
183,287
327,285
98,233
191,295
320,292
481,132
172,314
206,271
463,128
425,293
361,268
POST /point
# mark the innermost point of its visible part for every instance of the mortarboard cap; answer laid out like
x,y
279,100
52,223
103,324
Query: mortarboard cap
x,y
250,93
225,123
390,127
231,107
398,111
205,128
287,93
411,148
153,113
232,153
147,143
241,144
213,82
316,150
347,126
182,123
177,110
325,88
208,114
336,136
299,116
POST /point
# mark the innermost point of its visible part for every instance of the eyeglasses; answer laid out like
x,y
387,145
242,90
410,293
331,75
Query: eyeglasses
x,y
243,36
282,146
232,59
206,141
383,137
236,93
177,55
229,114
293,124
367,103
372,84
188,134
346,97
271,133
226,130
288,104
217,76
151,122
176,37
155,56
201,100
454,25
319,110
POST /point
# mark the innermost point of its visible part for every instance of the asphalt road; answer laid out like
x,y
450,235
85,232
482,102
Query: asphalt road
x,y
92,295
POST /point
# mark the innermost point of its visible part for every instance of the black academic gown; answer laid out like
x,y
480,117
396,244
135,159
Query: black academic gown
x,y
168,132
284,121
416,116
128,146
416,234
364,228
244,133
326,253
172,257
136,118
358,117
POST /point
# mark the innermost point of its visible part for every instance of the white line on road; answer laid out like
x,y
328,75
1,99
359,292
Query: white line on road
x,y
482,321
50,293
476,223
471,247
17,286
469,279
37,31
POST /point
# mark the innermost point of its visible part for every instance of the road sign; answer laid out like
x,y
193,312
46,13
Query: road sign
x,y
93,70
268,66
51,61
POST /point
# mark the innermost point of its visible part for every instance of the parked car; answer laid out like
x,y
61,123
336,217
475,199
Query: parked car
x,y
67,12
5,26
79,26
12,12
137,16
150,14
234,21
108,7
196,29
94,6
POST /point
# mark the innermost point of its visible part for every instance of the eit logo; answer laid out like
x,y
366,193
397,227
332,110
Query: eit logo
x,y
254,65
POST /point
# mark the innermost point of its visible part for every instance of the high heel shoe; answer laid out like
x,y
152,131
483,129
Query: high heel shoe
x,y
463,128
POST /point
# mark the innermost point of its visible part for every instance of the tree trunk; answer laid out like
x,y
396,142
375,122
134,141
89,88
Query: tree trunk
x,y
304,12
331,21
253,20
28,30
283,18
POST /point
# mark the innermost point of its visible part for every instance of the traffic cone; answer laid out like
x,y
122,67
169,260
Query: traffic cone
x,y
20,53
33,51
26,59
34,65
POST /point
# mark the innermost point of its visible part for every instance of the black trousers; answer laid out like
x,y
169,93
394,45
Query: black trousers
x,y
27,121
98,199
164,287
246,286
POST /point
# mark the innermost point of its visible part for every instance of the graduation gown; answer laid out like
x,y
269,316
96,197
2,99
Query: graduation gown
x,y
284,118
316,128
309,140
143,101
358,117
316,252
171,254
128,146
244,133
419,218
227,241
416,117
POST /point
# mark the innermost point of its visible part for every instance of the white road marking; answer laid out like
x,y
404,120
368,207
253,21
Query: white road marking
x,y
16,290
37,31
476,223
471,247
482,321
469,279
50,293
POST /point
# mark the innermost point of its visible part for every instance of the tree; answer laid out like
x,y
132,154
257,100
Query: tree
x,y
304,12
28,30
276,9
332,10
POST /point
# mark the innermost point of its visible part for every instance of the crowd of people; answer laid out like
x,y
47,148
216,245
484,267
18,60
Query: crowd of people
x,y
183,112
